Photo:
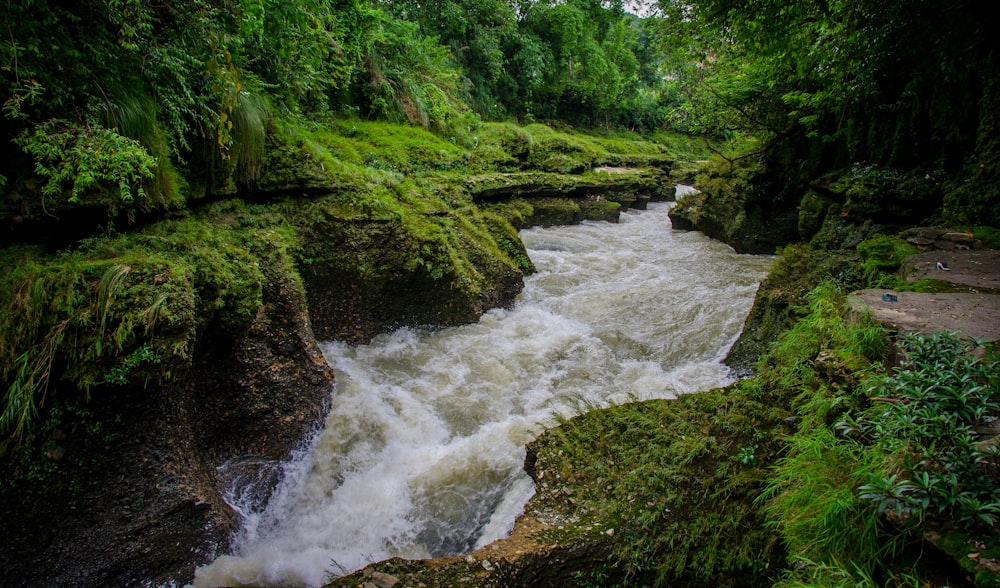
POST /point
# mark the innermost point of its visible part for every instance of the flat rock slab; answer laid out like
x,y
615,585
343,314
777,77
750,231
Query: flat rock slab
x,y
973,268
972,315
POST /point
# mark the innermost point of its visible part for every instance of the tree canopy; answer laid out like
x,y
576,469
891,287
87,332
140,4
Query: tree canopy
x,y
909,85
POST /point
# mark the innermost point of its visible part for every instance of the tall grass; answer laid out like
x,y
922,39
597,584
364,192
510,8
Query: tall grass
x,y
812,501
135,115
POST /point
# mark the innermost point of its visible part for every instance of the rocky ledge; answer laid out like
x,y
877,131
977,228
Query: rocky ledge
x,y
973,311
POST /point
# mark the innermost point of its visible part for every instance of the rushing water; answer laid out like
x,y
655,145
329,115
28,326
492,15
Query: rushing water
x,y
423,449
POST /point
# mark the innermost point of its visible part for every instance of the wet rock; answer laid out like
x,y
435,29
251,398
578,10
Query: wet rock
x,y
733,206
940,238
381,580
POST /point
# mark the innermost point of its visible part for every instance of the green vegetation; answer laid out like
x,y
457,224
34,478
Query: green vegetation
x,y
165,164
669,478
825,469
120,311
846,90
128,308
934,405
882,257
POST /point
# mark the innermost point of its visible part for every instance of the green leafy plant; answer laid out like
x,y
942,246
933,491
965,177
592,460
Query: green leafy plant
x,y
143,355
927,412
82,156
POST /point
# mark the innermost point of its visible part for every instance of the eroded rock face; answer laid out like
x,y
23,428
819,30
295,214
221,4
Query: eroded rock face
x,y
372,275
137,498
736,204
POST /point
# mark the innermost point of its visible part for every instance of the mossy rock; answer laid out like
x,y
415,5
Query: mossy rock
x,y
368,272
799,269
625,186
885,195
600,209
841,231
666,479
812,214
976,554
732,206
296,162
516,211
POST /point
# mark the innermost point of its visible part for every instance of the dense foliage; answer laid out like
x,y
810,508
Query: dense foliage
x,y
893,88
908,90
125,108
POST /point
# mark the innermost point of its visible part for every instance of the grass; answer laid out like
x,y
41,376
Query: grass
x,y
667,478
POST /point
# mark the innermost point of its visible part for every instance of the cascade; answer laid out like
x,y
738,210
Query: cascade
x,y
422,452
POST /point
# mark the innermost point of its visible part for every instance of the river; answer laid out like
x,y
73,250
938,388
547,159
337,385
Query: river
x,y
422,453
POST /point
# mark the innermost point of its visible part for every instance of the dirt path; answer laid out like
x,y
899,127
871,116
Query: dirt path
x,y
973,314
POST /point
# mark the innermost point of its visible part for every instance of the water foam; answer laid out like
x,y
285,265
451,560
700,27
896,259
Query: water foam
x,y
423,449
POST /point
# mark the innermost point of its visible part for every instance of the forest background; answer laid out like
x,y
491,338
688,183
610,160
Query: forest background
x,y
143,97
120,113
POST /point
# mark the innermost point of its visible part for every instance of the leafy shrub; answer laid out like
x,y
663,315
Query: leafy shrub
x,y
927,412
82,156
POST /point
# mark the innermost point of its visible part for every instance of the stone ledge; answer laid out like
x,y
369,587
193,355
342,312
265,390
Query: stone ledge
x,y
972,315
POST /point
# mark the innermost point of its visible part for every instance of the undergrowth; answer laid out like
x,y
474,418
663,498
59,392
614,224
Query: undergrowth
x,y
874,450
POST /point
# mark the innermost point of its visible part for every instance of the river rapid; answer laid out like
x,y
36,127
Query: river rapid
x,y
423,449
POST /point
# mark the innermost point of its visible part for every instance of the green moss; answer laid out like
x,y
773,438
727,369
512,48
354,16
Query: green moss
x,y
930,286
881,258
812,213
516,211
509,147
668,479
734,206
410,260
600,209
884,253
401,148
80,319
960,545
556,211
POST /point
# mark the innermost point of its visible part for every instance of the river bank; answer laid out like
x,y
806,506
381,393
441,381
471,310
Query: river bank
x,y
150,357
708,489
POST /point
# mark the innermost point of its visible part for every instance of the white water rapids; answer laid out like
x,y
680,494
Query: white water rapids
x,y
422,453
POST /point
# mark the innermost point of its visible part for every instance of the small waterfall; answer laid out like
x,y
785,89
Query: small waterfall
x,y
423,449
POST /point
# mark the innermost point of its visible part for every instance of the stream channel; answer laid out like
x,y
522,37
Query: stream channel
x,y
423,450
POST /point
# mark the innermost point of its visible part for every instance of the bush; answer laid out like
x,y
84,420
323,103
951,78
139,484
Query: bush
x,y
927,413
881,257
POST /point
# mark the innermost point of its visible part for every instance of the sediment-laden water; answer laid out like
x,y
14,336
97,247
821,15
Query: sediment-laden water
x,y
423,449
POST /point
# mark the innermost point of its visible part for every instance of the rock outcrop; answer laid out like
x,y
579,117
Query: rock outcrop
x,y
736,204
136,498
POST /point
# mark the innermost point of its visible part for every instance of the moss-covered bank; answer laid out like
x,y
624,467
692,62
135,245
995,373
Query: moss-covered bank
x,y
138,360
